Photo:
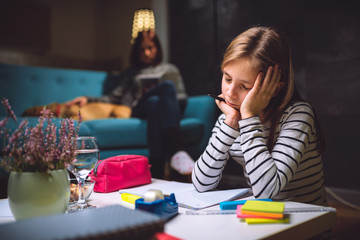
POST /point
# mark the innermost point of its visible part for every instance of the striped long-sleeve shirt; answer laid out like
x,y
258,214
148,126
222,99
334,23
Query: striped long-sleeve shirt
x,y
292,171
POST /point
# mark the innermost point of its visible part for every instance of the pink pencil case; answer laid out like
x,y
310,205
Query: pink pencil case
x,y
121,172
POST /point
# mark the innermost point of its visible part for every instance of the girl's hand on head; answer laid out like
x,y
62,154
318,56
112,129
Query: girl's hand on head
x,y
233,115
260,95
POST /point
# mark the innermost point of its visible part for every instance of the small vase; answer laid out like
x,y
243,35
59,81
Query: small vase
x,y
33,194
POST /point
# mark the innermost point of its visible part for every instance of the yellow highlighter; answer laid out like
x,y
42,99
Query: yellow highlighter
x,y
130,198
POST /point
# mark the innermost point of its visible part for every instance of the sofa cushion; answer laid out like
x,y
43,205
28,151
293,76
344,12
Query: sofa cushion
x,y
114,133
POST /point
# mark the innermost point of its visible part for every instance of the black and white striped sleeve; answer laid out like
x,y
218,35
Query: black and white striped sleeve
x,y
270,172
208,168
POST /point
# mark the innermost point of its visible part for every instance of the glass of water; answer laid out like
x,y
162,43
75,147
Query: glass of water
x,y
87,155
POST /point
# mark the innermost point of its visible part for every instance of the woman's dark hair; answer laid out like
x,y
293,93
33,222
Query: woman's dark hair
x,y
135,59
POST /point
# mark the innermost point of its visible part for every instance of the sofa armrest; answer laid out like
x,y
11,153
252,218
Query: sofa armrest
x,y
202,107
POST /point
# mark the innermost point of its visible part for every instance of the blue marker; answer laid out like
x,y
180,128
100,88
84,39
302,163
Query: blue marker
x,y
232,205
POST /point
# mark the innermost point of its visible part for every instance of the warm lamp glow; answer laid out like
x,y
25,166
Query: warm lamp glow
x,y
143,20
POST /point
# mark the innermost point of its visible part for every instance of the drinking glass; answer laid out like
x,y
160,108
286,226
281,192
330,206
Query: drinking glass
x,y
87,155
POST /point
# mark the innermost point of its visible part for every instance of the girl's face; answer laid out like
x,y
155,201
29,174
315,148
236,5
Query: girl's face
x,y
148,51
238,79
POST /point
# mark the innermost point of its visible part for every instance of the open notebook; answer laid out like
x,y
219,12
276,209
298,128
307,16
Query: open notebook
x,y
187,196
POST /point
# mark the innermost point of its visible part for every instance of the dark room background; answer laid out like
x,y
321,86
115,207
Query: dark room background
x,y
325,36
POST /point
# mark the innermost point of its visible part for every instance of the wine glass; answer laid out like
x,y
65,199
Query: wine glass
x,y
87,155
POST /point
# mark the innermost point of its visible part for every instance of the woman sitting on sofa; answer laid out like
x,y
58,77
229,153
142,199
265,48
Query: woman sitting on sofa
x,y
155,92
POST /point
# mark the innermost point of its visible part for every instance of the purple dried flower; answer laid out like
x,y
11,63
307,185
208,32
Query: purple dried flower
x,y
2,126
41,148
80,117
7,106
3,123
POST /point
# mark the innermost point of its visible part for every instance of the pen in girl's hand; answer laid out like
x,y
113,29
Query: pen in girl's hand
x,y
216,97
220,99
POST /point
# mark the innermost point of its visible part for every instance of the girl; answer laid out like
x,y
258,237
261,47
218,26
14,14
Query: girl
x,y
265,126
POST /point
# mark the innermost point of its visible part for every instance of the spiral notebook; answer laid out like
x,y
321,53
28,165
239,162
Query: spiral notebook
x,y
112,222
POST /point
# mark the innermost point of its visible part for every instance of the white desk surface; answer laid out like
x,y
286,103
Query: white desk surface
x,y
301,225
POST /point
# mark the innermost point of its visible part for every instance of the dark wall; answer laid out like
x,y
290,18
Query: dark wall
x,y
25,26
325,37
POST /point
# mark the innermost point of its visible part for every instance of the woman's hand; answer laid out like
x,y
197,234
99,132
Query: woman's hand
x,y
260,95
81,101
232,115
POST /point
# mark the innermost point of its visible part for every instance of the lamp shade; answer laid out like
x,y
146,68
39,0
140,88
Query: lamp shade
x,y
144,20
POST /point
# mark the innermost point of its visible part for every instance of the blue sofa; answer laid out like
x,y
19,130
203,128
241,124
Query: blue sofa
x,y
27,86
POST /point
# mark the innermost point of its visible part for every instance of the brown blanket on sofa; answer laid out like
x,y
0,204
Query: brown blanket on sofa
x,y
90,111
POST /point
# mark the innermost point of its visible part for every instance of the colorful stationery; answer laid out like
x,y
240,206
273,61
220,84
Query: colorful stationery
x,y
263,208
266,220
256,212
232,205
239,214
263,214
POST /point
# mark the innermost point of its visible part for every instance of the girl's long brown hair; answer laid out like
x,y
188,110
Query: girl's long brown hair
x,y
264,47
